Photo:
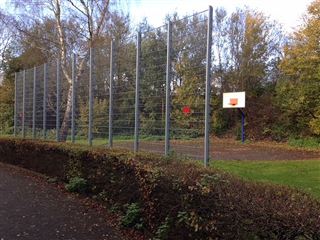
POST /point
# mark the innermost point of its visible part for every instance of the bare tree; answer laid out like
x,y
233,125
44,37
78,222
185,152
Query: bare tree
x,y
84,19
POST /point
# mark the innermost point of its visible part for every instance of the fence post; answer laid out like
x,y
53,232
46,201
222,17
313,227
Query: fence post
x,y
90,97
44,121
15,104
23,103
111,93
208,89
73,111
34,103
137,95
58,101
168,86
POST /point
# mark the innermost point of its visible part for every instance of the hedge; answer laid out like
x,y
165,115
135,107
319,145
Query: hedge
x,y
178,200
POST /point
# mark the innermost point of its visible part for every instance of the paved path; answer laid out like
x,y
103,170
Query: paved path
x,y
35,210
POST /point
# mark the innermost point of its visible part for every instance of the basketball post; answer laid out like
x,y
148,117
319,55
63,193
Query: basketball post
x,y
243,136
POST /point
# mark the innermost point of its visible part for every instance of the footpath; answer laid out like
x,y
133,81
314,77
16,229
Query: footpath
x,y
36,210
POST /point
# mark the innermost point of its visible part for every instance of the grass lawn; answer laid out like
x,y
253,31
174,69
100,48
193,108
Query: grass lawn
x,y
304,175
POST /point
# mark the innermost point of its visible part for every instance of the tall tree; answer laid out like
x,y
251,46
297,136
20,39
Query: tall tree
x,y
78,27
298,92
247,49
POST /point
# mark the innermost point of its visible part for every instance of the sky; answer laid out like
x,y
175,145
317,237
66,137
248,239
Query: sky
x,y
286,12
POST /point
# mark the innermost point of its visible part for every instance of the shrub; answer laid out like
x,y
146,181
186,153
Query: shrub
x,y
308,142
78,185
176,200
133,217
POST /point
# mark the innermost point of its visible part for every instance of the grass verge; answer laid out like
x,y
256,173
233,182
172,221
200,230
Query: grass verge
x,y
303,175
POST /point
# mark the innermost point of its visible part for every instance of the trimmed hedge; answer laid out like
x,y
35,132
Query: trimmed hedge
x,y
178,200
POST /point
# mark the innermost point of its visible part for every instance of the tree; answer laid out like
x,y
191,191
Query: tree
x,y
298,90
79,26
247,48
10,66
153,65
189,70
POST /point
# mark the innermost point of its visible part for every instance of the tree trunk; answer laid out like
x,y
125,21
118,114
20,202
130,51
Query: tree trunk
x,y
67,117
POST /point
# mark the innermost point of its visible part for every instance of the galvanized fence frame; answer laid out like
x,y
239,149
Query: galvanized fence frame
x,y
21,85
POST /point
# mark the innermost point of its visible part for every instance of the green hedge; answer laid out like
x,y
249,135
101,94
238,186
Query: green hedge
x,y
178,200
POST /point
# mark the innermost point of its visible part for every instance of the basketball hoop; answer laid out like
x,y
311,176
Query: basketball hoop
x,y
233,101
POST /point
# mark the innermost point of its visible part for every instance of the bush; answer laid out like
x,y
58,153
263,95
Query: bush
x,y
78,185
308,142
174,200
133,217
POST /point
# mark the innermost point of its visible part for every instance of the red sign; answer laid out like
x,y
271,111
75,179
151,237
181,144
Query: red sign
x,y
186,110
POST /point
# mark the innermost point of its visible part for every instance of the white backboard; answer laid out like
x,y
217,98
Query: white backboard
x,y
234,100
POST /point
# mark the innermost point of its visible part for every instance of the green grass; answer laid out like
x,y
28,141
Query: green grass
x,y
303,175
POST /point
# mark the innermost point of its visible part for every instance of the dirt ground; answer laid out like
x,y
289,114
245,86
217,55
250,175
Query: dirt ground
x,y
228,149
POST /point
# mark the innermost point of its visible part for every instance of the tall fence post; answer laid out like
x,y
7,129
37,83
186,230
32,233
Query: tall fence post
x,y
73,100
34,98
58,100
23,103
208,88
15,104
90,97
111,94
168,86
137,94
45,81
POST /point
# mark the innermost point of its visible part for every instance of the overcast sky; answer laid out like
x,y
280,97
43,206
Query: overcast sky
x,y
286,12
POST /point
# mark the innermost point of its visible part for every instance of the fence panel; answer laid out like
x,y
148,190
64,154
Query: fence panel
x,y
188,85
100,129
28,102
124,93
167,117
51,100
152,89
19,99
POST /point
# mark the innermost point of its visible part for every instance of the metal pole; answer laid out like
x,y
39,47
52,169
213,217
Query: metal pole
x,y
73,111
34,103
23,103
90,98
15,104
168,85
45,79
58,101
111,93
242,126
208,89
137,97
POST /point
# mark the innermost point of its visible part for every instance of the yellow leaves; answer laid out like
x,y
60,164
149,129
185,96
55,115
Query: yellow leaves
x,y
315,123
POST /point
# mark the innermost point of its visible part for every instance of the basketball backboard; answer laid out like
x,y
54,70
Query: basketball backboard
x,y
234,100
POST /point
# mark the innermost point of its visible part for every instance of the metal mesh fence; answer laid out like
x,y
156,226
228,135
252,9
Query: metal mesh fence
x,y
141,93
101,95
152,89
124,93
188,85
19,103
38,101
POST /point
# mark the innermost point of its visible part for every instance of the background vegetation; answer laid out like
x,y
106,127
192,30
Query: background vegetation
x,y
279,72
